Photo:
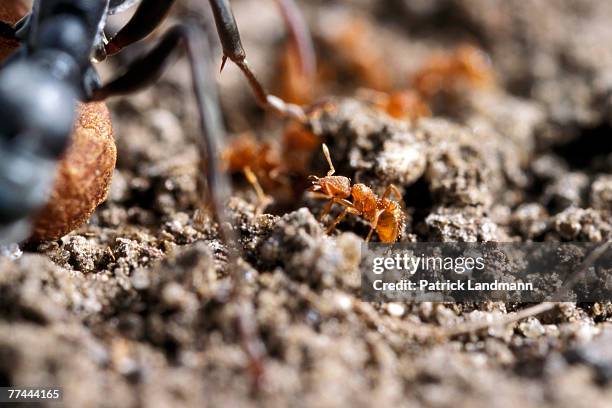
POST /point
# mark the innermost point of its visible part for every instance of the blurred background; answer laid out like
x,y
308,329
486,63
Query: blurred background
x,y
493,117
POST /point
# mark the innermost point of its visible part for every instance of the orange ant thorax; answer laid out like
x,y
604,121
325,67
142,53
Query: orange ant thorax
x,y
365,201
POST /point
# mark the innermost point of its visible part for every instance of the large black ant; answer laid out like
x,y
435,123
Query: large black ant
x,y
42,82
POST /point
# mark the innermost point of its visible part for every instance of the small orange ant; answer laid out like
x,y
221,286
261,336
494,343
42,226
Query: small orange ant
x,y
384,215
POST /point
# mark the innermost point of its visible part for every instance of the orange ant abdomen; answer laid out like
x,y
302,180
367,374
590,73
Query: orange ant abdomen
x,y
390,221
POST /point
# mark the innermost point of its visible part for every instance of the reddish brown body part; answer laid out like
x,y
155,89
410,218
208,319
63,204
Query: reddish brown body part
x,y
84,174
365,201
390,220
354,46
246,151
11,11
449,74
333,186
405,105
384,215
272,165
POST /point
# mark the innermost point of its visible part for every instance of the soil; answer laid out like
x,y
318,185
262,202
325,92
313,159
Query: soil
x,y
140,308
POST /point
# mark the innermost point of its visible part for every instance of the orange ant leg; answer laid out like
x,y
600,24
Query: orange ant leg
x,y
392,189
369,237
339,218
375,223
320,196
263,199
346,203
326,210
373,227
343,202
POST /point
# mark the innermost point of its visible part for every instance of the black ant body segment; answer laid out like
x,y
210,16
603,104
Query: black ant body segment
x,y
41,83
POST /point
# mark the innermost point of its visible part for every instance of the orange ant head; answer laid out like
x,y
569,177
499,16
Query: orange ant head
x,y
390,221
242,152
330,185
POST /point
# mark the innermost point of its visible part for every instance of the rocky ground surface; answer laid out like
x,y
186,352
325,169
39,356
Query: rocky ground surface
x,y
139,308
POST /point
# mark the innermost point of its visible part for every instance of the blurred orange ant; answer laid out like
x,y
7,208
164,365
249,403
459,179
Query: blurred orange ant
x,y
276,166
384,215
466,66
257,161
351,54
404,104
449,73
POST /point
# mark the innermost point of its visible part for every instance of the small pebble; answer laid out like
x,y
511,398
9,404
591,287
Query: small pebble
x,y
11,251
532,328
395,309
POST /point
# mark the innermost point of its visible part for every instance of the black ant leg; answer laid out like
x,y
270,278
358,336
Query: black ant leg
x,y
233,49
148,16
143,72
300,36
151,13
147,69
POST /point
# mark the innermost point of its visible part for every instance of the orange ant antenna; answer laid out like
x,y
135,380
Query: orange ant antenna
x,y
332,170
262,197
